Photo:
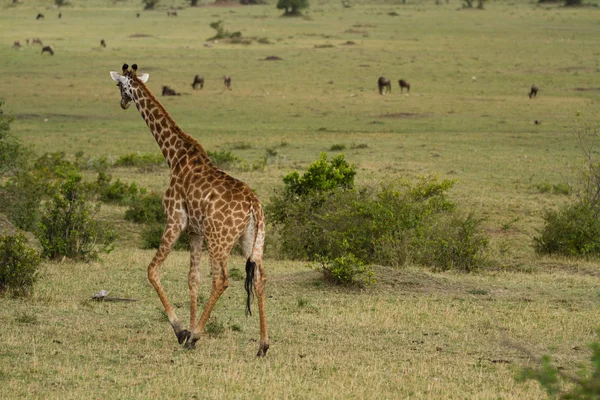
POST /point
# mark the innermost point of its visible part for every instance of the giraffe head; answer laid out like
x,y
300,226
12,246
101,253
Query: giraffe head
x,y
126,82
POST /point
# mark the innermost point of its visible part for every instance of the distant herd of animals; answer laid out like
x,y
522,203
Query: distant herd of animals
x,y
385,86
198,82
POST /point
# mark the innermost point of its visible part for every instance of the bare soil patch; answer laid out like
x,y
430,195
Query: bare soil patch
x,y
141,35
272,58
405,115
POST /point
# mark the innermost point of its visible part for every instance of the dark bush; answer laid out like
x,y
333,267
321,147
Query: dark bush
x,y
143,161
18,265
152,234
560,384
69,226
573,230
223,159
13,155
452,243
320,216
146,209
347,270
21,199
115,192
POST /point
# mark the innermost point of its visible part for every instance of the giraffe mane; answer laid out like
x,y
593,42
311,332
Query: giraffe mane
x,y
176,129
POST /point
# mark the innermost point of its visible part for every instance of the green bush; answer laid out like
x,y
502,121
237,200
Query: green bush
x,y
21,199
223,159
69,226
139,160
453,243
13,155
561,385
115,192
18,265
146,209
573,230
150,4
347,270
320,216
152,234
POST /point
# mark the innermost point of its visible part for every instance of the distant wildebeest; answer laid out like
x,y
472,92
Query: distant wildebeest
x,y
48,49
227,82
102,43
59,15
37,41
533,91
198,80
171,13
404,85
137,15
17,44
167,91
384,83
40,16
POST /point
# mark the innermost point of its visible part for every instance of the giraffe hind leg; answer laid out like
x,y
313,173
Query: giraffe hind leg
x,y
220,282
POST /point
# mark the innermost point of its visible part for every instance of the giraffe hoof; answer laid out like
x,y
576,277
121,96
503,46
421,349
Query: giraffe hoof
x,y
190,343
262,350
183,336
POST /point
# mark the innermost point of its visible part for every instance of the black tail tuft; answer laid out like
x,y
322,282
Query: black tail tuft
x,y
249,284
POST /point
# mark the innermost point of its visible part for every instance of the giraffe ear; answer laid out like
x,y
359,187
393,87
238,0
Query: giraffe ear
x,y
117,77
143,78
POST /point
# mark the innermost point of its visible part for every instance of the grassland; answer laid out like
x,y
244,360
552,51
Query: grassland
x,y
415,334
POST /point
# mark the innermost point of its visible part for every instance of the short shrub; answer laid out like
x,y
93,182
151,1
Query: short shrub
x,y
146,209
452,243
141,160
13,155
21,199
18,265
69,226
573,230
347,270
152,234
223,159
115,192
558,384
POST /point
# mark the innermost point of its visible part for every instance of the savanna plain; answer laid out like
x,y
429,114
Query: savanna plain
x,y
416,333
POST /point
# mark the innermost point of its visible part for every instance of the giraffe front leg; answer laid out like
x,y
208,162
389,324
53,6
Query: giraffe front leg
x,y
170,235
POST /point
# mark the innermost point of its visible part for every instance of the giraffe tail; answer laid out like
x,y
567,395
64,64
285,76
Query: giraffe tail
x,y
251,267
249,284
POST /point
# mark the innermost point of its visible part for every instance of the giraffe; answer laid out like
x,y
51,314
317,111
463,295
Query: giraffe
x,y
211,205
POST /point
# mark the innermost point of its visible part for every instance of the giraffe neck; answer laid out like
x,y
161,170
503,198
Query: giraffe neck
x,y
176,146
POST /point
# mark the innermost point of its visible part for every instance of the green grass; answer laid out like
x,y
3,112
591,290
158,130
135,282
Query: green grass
x,y
414,334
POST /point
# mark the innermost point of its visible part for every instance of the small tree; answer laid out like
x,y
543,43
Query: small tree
x,y
69,226
12,152
18,265
292,7
150,4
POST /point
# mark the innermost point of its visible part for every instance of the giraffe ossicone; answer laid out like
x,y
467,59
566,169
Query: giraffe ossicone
x,y
209,204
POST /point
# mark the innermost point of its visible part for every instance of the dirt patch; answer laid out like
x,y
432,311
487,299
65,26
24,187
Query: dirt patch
x,y
224,3
141,35
405,115
29,117
355,31
349,43
577,68
272,58
586,89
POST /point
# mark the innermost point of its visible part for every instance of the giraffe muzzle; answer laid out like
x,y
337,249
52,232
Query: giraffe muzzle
x,y
125,104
